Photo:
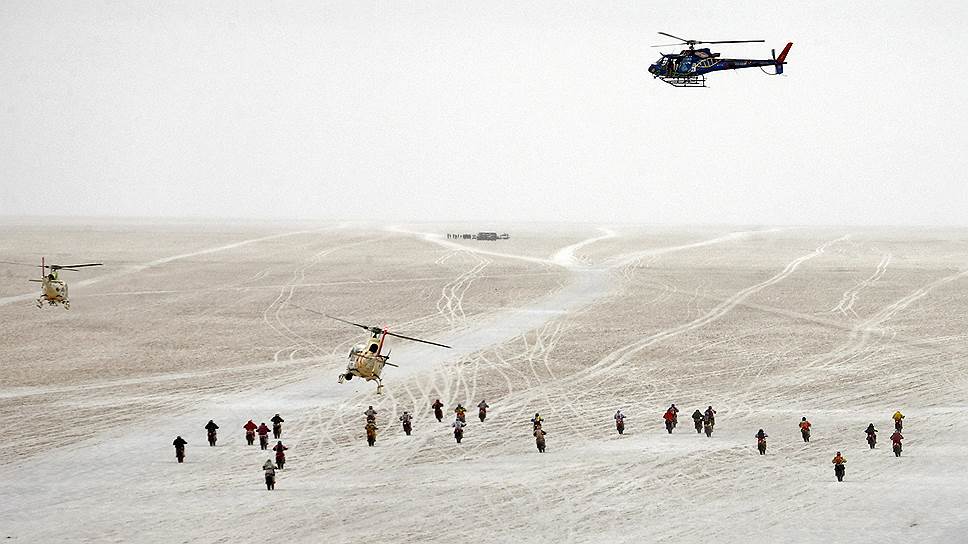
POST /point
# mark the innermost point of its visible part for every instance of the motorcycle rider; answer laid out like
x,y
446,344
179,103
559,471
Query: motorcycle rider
x,y
539,439
896,443
370,429
263,431
761,441
805,429
460,411
280,454
438,409
710,415
669,416
482,410
250,428
270,471
675,415
277,426
458,426
707,425
697,420
897,417
839,469
211,427
537,420
619,421
871,435
407,425
370,414
179,444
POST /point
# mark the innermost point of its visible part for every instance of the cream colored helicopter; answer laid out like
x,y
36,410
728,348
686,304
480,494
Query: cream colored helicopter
x,y
367,360
53,289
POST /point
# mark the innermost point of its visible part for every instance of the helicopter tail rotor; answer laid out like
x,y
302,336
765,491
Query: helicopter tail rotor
x,y
781,60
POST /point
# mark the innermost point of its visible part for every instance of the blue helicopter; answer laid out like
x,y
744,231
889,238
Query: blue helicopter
x,y
689,67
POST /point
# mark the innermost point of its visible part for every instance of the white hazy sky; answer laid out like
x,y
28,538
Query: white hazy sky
x,y
481,110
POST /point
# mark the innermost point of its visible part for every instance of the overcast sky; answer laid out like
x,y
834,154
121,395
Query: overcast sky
x,y
481,110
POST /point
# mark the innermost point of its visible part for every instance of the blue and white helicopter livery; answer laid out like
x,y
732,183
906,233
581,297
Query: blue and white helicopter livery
x,y
689,67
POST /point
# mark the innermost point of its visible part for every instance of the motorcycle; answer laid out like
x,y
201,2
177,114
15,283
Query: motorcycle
x,y
898,423
407,427
439,414
698,423
839,471
461,416
264,441
212,438
180,453
806,434
482,413
897,449
761,445
871,439
277,430
620,425
458,434
669,424
250,437
707,427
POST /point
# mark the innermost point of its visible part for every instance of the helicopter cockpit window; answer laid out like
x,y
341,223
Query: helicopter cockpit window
x,y
355,351
373,348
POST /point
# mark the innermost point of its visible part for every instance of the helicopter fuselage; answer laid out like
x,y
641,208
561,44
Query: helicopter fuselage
x,y
53,291
367,361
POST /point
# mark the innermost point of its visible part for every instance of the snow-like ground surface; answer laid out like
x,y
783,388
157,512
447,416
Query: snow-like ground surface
x,y
842,326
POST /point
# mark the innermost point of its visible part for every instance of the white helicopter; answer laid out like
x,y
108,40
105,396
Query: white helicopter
x,y
53,289
366,360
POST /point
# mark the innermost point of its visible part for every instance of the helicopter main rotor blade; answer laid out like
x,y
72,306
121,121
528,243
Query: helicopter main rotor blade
x,y
388,333
374,330
676,37
737,41
70,266
670,45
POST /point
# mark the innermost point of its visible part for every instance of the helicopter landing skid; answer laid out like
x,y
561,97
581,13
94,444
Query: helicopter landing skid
x,y
685,81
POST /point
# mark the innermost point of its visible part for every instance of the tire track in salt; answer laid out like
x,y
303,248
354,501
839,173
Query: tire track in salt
x,y
625,353
847,300
863,334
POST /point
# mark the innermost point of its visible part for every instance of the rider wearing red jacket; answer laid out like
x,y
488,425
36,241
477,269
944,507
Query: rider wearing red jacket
x,y
280,454
250,428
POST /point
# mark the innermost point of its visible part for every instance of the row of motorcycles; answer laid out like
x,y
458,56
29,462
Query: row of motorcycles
x,y
895,438
439,413
704,424
249,435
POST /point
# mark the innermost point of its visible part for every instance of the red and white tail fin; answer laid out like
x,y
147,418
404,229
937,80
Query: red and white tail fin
x,y
782,58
